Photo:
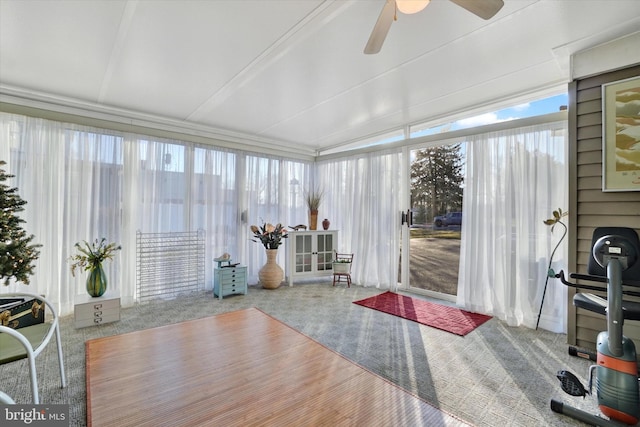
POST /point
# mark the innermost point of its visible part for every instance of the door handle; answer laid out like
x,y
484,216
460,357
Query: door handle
x,y
406,217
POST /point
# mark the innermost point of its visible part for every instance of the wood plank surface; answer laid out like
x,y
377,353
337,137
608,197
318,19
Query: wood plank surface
x,y
240,368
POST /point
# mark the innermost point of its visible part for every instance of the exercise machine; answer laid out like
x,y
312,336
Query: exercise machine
x,y
614,261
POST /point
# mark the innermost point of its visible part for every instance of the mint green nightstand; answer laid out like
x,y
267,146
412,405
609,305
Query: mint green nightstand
x,y
229,279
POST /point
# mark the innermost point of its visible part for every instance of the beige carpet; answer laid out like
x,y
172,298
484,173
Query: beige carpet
x,y
494,376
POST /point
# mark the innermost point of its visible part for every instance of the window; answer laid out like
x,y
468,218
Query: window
x,y
520,111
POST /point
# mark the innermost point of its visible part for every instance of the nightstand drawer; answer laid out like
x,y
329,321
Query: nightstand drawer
x,y
226,273
108,304
232,287
81,314
240,278
98,318
89,311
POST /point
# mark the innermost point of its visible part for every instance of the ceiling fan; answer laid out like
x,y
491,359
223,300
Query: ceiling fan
x,y
485,9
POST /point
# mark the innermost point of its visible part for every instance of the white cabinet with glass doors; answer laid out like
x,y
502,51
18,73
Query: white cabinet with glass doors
x,y
310,253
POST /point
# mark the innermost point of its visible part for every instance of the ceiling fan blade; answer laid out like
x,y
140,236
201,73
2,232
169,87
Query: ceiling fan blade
x,y
485,9
381,28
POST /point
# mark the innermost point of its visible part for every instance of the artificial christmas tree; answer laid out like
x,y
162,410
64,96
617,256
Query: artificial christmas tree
x,y
17,253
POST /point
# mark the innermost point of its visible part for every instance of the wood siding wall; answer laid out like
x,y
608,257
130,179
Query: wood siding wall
x,y
589,206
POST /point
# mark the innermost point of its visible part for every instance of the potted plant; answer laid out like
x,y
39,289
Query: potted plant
x,y
341,266
90,259
271,274
313,199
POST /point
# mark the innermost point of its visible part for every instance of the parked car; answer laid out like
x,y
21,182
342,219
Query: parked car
x,y
452,218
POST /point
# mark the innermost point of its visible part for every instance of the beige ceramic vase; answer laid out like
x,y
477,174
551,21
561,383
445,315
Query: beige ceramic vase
x,y
271,274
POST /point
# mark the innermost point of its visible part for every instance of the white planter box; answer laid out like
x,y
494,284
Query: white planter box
x,y
341,267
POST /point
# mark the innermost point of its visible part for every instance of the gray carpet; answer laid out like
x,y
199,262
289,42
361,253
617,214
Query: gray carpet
x,y
495,376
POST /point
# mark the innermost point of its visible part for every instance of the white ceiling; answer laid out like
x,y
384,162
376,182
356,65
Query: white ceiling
x,y
292,72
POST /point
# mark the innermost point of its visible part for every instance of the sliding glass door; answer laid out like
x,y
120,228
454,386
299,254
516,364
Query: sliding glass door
x,y
432,240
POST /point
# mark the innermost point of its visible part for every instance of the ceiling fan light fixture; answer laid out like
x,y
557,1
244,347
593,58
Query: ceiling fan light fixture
x,y
409,7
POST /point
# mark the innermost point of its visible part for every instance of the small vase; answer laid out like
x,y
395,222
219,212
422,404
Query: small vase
x,y
326,224
97,281
271,274
313,220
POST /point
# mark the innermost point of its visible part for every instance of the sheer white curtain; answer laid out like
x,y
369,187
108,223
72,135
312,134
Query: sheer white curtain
x,y
172,186
82,183
514,180
214,204
363,202
272,192
71,178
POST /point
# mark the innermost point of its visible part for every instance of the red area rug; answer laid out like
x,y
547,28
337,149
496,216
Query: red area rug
x,y
448,319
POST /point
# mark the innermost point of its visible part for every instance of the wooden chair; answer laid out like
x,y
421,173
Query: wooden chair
x,y
29,341
342,268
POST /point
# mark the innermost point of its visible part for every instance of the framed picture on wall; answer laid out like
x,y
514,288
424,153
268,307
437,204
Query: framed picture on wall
x,y
621,135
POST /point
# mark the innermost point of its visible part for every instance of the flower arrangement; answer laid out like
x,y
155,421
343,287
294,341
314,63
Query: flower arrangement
x,y
91,256
269,235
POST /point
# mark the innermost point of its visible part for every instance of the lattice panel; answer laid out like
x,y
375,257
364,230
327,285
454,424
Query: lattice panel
x,y
168,264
